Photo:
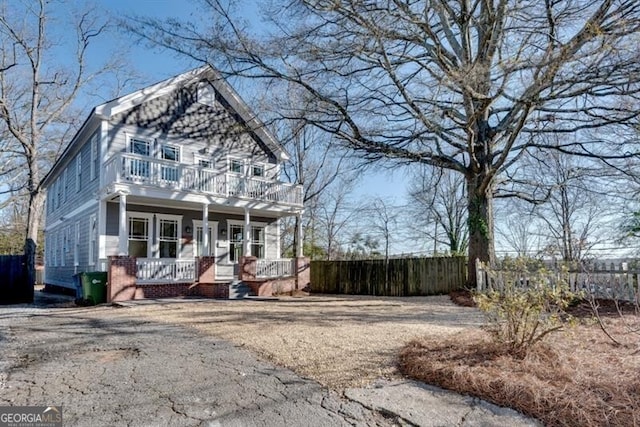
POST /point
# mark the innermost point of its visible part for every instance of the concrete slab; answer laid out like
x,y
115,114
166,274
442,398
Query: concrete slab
x,y
423,405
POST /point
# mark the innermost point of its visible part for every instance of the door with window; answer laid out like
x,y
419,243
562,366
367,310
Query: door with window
x,y
170,155
236,238
138,167
198,244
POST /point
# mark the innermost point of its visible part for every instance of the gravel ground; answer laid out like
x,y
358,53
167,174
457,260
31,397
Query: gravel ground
x,y
339,341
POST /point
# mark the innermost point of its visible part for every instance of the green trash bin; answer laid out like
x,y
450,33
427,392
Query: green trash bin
x,y
94,287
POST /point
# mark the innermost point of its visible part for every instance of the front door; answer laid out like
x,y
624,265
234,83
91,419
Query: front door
x,y
198,244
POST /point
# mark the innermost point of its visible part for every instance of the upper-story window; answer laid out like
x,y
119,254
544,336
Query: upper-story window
x,y
94,156
170,152
78,172
236,166
139,146
138,169
208,164
257,170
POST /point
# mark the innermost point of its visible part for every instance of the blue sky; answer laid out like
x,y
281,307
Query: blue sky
x,y
156,65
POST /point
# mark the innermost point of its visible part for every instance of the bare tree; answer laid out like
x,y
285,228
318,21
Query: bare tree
x,y
335,215
519,231
452,84
383,221
437,205
41,75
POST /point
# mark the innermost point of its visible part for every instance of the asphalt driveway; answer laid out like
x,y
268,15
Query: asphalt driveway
x,y
119,370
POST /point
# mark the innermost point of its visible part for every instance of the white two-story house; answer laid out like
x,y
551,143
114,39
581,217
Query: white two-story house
x,y
170,173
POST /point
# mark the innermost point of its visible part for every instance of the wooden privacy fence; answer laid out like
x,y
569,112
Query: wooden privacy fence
x,y
406,276
13,280
602,279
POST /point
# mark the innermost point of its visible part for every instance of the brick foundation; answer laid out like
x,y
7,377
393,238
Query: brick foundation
x,y
272,287
121,279
206,266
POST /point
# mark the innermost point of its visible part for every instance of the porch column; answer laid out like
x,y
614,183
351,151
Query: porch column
x,y
299,237
246,242
123,238
205,229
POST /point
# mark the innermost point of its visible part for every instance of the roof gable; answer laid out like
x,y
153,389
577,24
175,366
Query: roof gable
x,y
186,104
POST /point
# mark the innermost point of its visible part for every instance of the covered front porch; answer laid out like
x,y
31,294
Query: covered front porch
x,y
261,277
181,248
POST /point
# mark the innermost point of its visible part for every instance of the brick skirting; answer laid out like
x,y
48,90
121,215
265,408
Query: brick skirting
x,y
174,290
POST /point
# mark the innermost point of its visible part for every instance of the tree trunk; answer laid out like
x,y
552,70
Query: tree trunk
x,y
481,242
34,216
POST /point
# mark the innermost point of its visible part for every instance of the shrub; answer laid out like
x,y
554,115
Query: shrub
x,y
524,303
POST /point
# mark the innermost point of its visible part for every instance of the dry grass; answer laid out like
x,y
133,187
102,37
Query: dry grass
x,y
341,341
576,378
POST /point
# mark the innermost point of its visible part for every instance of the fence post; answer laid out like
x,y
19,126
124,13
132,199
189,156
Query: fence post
x,y
479,276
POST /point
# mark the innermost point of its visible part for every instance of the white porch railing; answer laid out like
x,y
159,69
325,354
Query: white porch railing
x,y
272,268
134,168
165,270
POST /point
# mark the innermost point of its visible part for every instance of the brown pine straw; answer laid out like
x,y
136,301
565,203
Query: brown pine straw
x,y
576,378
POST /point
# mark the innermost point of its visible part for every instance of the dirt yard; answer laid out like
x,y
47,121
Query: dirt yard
x,y
339,341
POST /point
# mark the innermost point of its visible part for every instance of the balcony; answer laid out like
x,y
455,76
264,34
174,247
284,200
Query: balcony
x,y
136,169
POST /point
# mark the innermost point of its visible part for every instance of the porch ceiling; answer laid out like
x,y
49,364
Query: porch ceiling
x,y
221,206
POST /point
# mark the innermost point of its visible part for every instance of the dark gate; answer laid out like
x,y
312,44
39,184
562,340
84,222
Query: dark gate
x,y
14,286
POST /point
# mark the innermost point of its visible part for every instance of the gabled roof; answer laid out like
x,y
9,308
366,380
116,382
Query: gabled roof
x,y
205,73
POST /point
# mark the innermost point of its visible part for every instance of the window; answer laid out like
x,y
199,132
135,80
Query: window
x,y
78,172
235,242
93,238
139,168
170,153
94,156
59,186
257,170
140,147
76,245
236,166
61,236
168,230
257,241
54,249
138,237
65,182
236,237
205,163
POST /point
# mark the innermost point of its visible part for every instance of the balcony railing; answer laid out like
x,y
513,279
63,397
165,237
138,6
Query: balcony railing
x,y
133,168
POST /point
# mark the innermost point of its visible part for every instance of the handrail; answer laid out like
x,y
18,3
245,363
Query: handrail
x,y
134,168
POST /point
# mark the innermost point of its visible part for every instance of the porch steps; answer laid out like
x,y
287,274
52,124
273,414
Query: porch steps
x,y
239,290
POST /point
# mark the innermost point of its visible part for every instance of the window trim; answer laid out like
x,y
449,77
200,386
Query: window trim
x,y
78,172
149,218
213,229
197,159
252,224
76,245
177,218
94,156
93,239
231,160
262,168
178,148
